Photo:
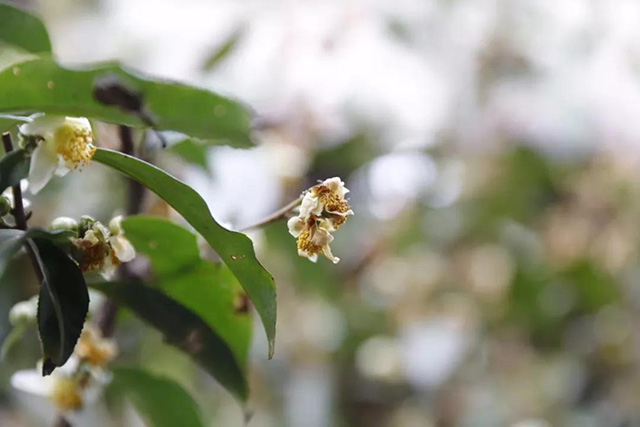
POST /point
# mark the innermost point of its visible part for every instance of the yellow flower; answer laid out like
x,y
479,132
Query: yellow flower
x,y
65,144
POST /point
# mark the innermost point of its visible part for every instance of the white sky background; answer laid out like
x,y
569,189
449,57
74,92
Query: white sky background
x,y
567,81
332,66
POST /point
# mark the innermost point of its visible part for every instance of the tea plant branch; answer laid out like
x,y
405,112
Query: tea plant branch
x,y
18,205
276,216
135,198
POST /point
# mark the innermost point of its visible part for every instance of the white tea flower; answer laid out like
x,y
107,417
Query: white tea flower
x,y
322,211
66,143
100,248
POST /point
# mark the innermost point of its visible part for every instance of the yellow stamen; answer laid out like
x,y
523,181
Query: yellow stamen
x,y
74,144
66,394
94,350
306,245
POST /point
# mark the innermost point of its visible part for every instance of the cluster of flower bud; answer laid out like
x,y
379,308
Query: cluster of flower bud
x,y
97,248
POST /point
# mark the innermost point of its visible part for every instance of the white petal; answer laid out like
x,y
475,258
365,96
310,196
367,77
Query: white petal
x,y
63,167
312,258
78,122
326,250
42,125
310,205
321,238
115,226
44,162
31,381
123,248
296,225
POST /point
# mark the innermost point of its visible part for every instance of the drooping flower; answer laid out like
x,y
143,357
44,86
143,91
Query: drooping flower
x,y
322,211
64,144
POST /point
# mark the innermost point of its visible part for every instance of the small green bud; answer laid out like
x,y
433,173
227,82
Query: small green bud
x,y
5,206
64,223
86,223
24,312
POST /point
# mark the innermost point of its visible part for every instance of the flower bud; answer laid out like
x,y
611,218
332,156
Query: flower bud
x,y
5,206
64,223
24,312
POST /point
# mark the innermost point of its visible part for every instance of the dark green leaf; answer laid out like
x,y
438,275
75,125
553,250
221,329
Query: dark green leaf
x,y
63,303
209,290
13,167
192,151
183,329
22,29
41,85
160,401
11,241
223,51
235,249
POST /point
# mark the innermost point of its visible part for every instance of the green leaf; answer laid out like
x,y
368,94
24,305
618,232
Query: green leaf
x,y
22,29
13,167
182,329
41,85
191,151
209,290
160,401
10,243
235,249
62,306
10,54
12,240
223,51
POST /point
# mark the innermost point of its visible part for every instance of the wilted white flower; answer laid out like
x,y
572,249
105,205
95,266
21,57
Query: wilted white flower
x,y
93,349
100,248
66,143
68,388
322,211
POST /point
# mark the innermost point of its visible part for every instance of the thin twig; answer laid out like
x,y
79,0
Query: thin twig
x,y
276,216
18,206
135,197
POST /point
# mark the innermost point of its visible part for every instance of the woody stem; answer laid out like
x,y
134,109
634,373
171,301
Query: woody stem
x,y
276,216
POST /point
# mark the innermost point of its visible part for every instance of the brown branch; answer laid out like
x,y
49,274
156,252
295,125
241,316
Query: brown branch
x,y
18,205
276,216
135,197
